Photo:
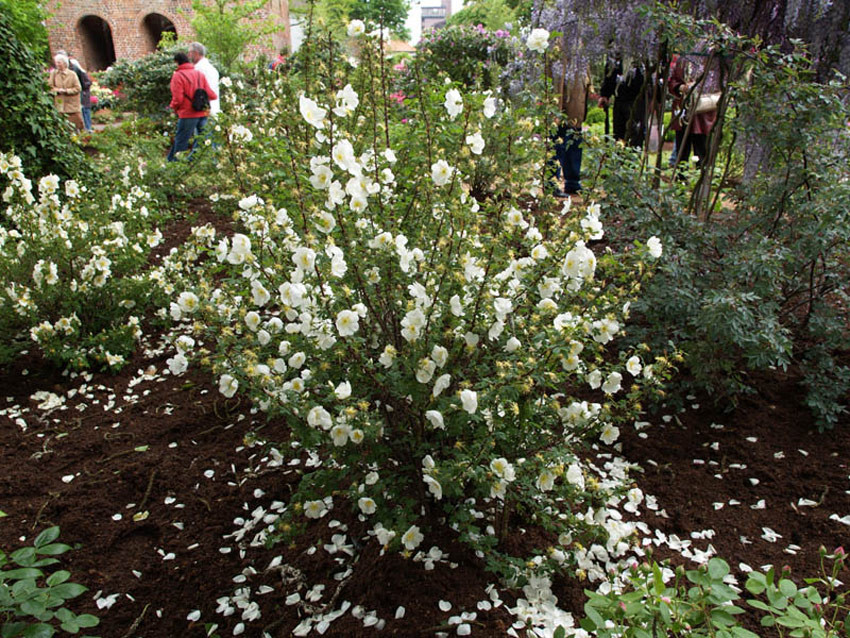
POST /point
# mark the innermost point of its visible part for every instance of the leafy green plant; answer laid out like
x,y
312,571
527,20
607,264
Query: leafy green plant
x,y
143,84
32,602
756,280
693,603
818,610
491,14
27,18
227,27
654,600
32,127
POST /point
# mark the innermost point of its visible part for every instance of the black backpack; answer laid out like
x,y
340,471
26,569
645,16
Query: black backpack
x,y
200,100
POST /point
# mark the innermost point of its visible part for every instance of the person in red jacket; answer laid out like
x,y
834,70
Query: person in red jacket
x,y
185,81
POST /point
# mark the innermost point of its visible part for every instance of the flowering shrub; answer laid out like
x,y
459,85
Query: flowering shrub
x,y
142,85
469,55
70,263
438,358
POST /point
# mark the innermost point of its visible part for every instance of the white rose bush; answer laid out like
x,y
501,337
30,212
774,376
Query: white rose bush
x,y
432,352
71,262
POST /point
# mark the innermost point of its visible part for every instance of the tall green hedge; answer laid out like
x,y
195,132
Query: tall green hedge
x,y
31,126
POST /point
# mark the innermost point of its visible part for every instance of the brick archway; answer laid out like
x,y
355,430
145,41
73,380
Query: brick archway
x,y
153,26
95,36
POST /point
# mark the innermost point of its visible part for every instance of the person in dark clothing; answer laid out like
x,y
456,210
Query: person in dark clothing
x,y
85,94
627,91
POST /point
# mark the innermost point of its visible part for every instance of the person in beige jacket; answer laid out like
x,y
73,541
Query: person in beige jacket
x,y
65,86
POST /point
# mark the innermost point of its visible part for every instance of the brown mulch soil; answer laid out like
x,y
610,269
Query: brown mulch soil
x,y
175,453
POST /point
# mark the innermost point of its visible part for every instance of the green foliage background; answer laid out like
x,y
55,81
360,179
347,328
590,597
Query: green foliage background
x,y
27,18
32,127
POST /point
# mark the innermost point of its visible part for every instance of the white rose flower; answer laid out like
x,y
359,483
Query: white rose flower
x,y
367,505
489,107
343,390
546,481
347,323
538,40
654,247
227,385
311,112
434,486
425,370
441,172
512,345
502,468
435,419
575,476
178,364
633,366
440,355
453,103
612,383
252,320
469,399
594,379
356,28
455,306
441,384
318,417
609,434
475,142
412,538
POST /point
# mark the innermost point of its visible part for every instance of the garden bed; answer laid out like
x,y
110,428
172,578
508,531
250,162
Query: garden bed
x,y
146,474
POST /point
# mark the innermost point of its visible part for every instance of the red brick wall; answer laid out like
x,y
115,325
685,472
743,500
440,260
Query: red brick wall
x,y
68,30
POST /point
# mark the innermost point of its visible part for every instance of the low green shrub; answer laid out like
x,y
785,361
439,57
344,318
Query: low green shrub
x,y
143,85
757,281
469,55
32,602
657,601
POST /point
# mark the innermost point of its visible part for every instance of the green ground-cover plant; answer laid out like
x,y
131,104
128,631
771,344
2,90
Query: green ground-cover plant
x,y
32,602
441,359
32,127
71,259
658,601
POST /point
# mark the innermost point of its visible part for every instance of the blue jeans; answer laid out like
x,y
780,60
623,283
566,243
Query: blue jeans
x,y
87,117
187,128
568,154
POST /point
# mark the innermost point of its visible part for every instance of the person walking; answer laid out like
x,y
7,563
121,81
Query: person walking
x,y
185,83
85,92
66,89
198,57
694,75
574,92
627,91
